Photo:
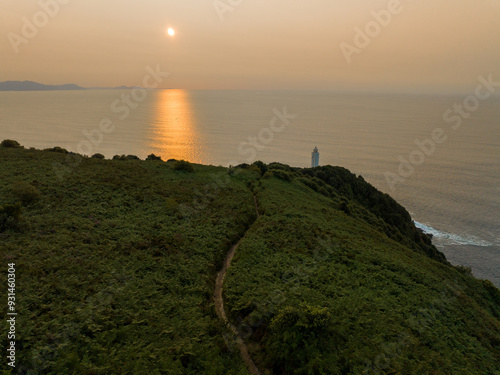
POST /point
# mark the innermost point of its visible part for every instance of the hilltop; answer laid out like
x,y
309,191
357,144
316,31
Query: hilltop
x,y
117,260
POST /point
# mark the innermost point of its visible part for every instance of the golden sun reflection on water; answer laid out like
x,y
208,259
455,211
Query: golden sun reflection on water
x,y
174,132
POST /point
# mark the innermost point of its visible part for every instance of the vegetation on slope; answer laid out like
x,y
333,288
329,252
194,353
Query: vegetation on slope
x,y
116,264
386,214
319,291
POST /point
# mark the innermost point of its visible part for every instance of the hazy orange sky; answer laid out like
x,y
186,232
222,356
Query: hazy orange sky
x,y
255,44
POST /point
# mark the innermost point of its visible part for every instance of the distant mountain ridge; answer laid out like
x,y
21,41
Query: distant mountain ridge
x,y
35,86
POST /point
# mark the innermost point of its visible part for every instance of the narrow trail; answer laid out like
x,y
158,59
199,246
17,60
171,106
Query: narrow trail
x,y
219,302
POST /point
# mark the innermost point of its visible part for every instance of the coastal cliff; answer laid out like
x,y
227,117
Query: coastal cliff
x,y
117,262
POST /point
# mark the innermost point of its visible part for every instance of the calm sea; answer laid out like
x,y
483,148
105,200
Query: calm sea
x,y
453,190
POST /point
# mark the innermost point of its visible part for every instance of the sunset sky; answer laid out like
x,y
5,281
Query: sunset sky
x,y
427,45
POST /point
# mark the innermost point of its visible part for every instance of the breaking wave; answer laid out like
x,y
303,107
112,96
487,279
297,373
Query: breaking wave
x,y
444,238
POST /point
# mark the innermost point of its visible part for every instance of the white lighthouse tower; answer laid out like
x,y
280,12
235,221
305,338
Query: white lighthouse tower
x,y
315,158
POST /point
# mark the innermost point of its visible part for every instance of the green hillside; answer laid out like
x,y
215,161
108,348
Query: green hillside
x,y
116,262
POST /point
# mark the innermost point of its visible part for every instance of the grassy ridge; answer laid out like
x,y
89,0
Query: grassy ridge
x,y
116,264
319,291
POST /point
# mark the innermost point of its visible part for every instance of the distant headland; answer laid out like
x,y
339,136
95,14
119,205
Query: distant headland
x,y
35,86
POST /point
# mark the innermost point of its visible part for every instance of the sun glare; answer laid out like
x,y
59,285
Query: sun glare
x,y
171,31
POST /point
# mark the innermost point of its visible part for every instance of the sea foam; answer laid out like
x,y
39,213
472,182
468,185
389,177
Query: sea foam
x,y
443,238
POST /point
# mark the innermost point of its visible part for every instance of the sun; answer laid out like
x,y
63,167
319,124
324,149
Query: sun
x,y
171,31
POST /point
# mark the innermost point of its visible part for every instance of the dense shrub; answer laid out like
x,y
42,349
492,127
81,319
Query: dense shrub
x,y
25,192
493,291
254,168
344,206
262,167
282,175
125,157
59,150
10,216
98,156
318,186
309,183
250,167
183,165
279,166
301,337
9,143
153,157
465,270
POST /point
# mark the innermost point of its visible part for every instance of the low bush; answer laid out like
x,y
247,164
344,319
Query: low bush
x,y
465,270
280,166
493,291
282,175
10,216
59,150
9,143
183,165
254,168
262,167
153,157
25,192
125,157
97,156
299,337
345,207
